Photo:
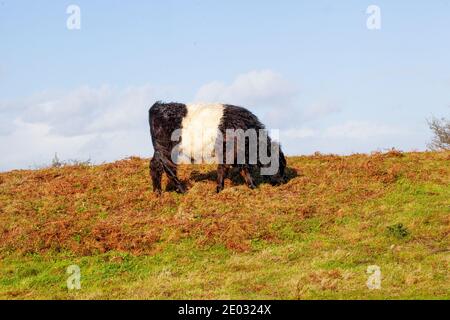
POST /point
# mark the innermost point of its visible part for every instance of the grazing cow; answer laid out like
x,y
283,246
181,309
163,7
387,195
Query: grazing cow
x,y
195,133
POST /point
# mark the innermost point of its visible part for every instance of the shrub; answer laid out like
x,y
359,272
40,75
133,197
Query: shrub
x,y
441,130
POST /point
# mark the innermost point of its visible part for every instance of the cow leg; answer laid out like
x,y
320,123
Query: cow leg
x,y
160,164
222,171
171,172
247,177
170,169
156,170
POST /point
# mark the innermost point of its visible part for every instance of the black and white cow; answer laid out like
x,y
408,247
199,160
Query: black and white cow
x,y
193,130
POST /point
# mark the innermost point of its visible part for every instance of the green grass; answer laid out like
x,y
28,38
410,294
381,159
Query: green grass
x,y
310,239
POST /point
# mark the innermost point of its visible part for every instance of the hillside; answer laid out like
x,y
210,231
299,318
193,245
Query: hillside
x,y
313,237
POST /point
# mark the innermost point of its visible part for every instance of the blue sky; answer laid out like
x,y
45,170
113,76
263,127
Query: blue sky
x,y
309,68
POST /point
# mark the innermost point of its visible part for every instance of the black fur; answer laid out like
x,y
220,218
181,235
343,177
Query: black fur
x,y
236,117
164,118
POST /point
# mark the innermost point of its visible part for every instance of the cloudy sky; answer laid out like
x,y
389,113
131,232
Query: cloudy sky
x,y
312,69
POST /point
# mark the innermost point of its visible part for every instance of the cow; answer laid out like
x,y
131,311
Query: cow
x,y
191,133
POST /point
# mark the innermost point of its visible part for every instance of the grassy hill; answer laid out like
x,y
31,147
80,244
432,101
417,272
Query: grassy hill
x,y
313,237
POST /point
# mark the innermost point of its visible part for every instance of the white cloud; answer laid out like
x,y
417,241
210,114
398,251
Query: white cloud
x,y
265,92
298,133
320,110
6,126
362,130
350,130
350,137
92,110
255,89
101,123
107,123
272,97
31,145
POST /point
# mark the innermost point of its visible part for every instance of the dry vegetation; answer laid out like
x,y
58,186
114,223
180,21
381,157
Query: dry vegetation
x,y
310,238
